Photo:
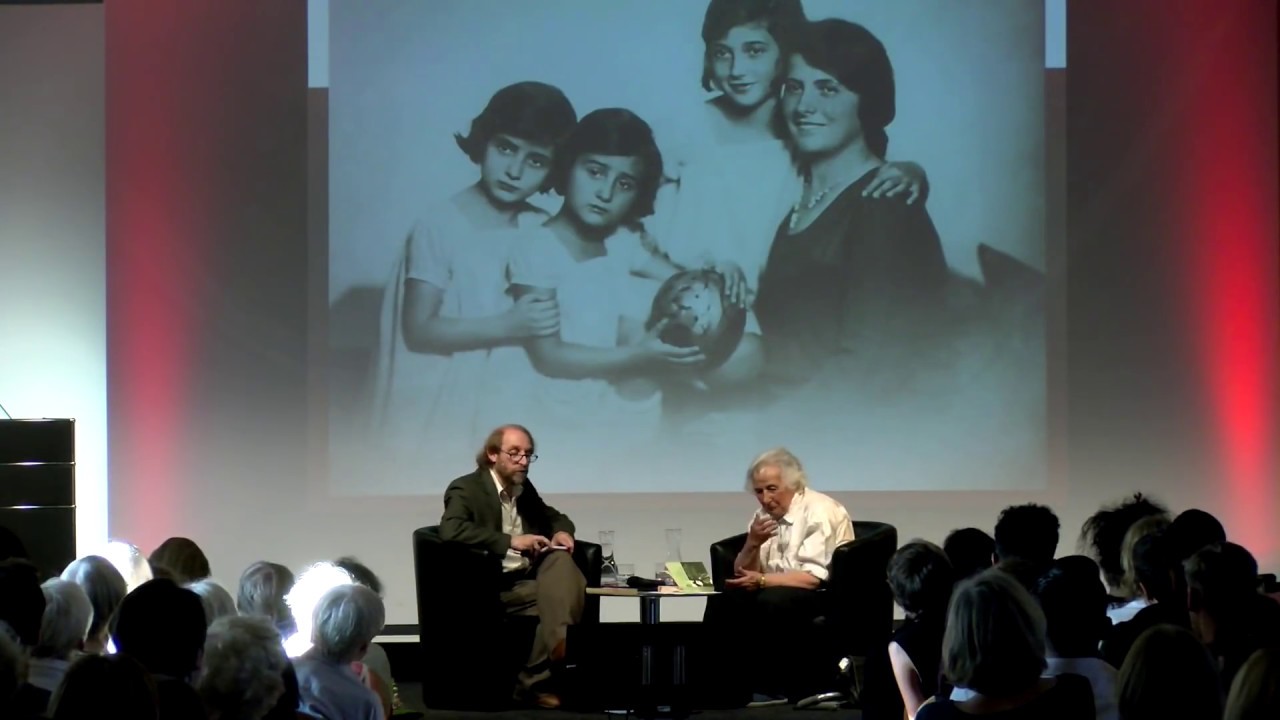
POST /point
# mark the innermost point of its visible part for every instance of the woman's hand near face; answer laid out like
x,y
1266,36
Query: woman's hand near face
x,y
762,528
896,178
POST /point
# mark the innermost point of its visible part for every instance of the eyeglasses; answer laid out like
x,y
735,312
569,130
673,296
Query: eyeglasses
x,y
516,455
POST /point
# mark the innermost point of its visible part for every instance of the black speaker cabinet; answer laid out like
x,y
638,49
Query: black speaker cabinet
x,y
38,490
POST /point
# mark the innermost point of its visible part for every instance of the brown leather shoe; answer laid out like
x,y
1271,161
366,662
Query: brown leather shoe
x,y
545,700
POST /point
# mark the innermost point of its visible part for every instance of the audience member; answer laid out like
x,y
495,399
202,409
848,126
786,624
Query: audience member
x,y
375,659
11,546
181,559
12,667
243,672
1074,602
1168,675
1027,532
130,561
921,578
21,611
1027,573
1102,538
970,551
162,626
994,645
1120,611
346,620
1228,613
263,587
63,628
286,707
217,602
106,589
100,686
1153,571
1255,692
1192,530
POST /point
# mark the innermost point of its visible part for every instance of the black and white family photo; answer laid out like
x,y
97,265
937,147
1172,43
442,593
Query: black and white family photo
x,y
666,234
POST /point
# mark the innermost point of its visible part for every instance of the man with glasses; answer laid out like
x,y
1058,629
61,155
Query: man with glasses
x,y
497,510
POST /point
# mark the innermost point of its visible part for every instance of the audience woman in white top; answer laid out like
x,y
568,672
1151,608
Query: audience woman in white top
x,y
346,620
789,546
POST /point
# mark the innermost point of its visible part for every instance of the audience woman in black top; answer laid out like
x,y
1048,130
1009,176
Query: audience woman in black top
x,y
1168,674
1153,575
970,551
921,578
847,276
1228,613
995,646
99,686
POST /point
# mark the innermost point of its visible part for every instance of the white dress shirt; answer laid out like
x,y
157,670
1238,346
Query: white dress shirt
x,y
511,522
814,526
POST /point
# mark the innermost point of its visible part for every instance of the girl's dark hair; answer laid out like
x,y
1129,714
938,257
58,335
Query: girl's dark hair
x,y
620,133
851,54
781,19
1102,535
921,578
532,111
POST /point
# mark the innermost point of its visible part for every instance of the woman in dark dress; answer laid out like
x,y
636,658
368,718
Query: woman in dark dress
x,y
921,578
848,278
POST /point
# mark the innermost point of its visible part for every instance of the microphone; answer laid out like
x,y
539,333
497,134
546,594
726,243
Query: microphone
x,y
640,583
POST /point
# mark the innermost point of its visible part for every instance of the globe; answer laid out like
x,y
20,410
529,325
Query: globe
x,y
697,312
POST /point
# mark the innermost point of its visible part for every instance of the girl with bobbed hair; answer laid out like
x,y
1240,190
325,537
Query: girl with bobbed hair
x,y
262,591
994,645
447,305
608,172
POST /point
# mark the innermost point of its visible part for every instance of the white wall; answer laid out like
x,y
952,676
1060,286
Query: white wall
x,y
53,325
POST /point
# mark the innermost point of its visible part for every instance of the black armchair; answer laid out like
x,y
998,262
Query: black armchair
x,y
471,649
857,605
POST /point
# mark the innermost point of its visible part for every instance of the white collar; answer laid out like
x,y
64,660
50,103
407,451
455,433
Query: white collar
x,y
513,492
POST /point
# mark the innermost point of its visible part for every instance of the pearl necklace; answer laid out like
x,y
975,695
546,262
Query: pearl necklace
x,y
813,202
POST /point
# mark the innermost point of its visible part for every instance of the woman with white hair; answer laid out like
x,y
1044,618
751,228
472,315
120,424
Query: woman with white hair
x,y
262,591
785,559
63,628
243,671
106,588
217,601
344,624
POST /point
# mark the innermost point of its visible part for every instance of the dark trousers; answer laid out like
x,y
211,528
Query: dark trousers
x,y
767,642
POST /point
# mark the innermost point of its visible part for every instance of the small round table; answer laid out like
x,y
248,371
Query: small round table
x,y
650,615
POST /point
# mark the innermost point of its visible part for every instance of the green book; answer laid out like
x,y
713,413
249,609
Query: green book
x,y
690,576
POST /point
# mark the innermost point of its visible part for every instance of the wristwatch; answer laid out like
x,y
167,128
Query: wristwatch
x,y
760,582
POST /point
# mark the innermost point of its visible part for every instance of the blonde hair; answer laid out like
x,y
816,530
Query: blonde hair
x,y
1255,692
1140,529
994,643
787,464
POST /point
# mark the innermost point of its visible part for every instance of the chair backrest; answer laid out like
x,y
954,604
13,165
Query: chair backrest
x,y
860,604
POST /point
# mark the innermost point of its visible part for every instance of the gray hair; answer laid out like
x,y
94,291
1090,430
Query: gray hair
x,y
66,620
347,618
104,585
263,586
787,464
994,643
244,665
217,602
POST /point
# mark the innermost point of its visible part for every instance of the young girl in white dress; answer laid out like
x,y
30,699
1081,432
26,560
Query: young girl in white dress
x,y
447,306
586,259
